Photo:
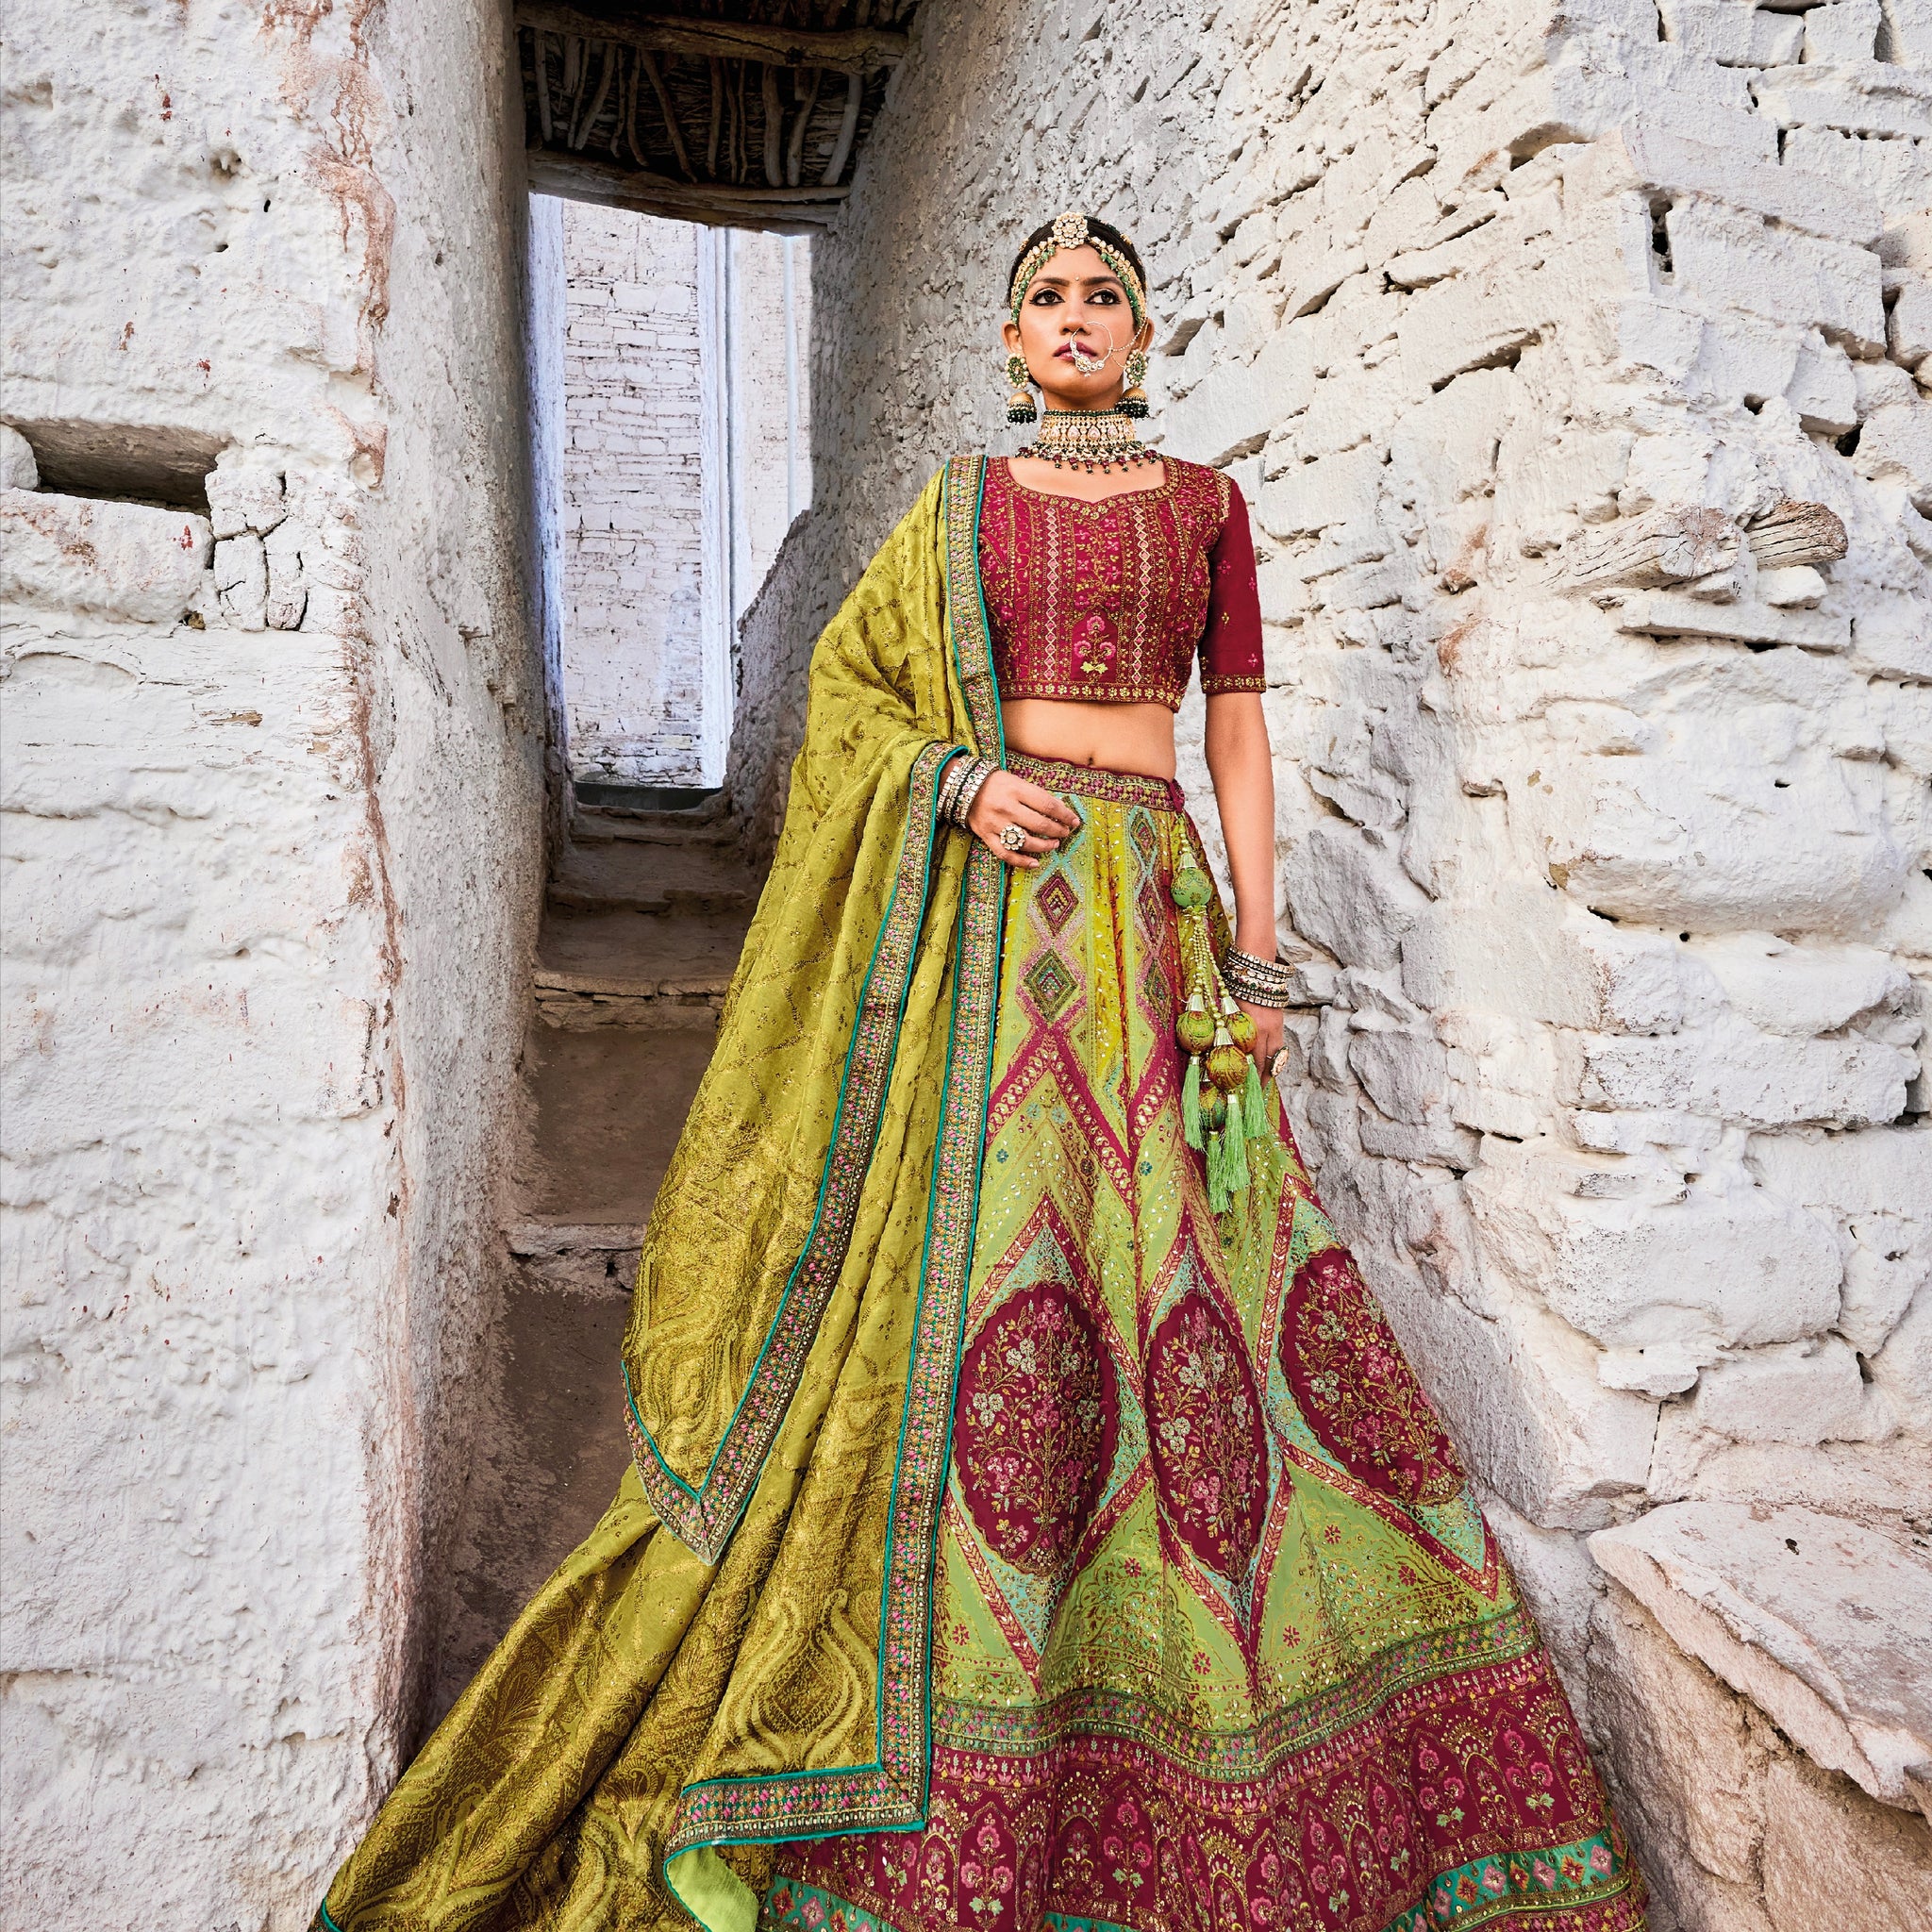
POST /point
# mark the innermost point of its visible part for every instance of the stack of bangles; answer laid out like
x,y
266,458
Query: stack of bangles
x,y
1256,982
960,785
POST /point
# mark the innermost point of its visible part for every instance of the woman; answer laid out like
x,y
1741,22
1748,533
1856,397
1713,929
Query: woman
x,y
1033,1522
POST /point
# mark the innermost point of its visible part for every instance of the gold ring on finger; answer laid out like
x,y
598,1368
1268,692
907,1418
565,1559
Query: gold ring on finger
x,y
1013,838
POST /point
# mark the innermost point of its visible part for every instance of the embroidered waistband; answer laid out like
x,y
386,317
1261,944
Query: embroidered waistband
x,y
1091,781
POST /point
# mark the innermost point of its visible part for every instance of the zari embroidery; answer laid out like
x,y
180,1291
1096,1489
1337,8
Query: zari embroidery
x,y
1105,601
702,1518
1194,1667
1356,1390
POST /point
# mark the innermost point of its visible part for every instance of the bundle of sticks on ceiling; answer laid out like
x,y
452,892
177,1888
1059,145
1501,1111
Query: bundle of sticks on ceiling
x,y
703,118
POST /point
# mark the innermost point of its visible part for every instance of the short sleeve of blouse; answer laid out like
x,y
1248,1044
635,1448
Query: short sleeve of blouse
x,y
1231,643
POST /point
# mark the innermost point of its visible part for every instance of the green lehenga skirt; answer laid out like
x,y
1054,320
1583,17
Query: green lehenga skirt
x,y
1220,1640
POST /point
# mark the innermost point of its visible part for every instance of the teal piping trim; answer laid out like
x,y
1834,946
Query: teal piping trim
x,y
999,948
953,1396
826,1173
998,739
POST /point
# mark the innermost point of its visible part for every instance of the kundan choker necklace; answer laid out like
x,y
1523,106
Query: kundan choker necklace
x,y
1090,440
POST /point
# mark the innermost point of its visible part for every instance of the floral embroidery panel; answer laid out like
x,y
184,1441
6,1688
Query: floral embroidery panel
x,y
1220,1640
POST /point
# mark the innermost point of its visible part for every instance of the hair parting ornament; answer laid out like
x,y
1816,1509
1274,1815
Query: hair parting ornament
x,y
1071,230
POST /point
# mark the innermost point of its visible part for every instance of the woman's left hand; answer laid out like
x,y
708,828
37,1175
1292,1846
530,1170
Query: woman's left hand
x,y
1268,1033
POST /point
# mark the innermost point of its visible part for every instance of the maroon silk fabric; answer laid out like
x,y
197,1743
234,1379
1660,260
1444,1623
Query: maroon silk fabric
x,y
1111,601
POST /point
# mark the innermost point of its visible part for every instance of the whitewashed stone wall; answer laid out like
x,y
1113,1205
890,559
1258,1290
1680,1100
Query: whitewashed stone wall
x,y
273,798
770,427
685,421
1603,828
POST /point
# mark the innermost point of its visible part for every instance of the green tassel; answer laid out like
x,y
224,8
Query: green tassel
x,y
1254,1104
1217,1174
1190,1102
1234,1156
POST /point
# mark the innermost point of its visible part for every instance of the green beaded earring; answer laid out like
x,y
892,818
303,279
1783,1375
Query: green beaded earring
x,y
1134,402
1020,406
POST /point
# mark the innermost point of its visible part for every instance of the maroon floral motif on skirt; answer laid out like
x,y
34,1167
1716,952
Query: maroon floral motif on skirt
x,y
1356,1390
1206,1434
1036,1426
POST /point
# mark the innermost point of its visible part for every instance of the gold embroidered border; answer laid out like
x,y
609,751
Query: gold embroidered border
x,y
967,626
892,1791
702,1518
1096,781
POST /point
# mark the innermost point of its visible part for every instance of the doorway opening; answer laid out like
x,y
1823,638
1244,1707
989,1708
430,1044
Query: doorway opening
x,y
674,456
670,440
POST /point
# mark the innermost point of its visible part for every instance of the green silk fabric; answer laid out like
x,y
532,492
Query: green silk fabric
x,y
740,1651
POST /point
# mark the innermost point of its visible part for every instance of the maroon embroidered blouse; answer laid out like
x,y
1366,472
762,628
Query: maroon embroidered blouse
x,y
1111,601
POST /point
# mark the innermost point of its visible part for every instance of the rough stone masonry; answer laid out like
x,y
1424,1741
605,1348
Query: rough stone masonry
x,y
1570,356
273,798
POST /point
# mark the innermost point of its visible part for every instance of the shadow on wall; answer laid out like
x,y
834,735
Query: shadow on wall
x,y
776,638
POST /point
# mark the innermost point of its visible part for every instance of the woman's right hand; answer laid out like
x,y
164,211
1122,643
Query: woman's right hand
x,y
1005,800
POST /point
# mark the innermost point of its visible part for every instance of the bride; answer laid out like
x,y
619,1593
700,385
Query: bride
x,y
1033,1522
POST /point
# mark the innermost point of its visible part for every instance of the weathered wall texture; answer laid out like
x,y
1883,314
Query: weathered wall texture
x,y
770,399
272,808
685,424
1604,827
634,497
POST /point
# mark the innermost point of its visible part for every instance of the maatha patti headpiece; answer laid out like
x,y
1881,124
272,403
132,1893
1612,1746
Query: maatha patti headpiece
x,y
1070,230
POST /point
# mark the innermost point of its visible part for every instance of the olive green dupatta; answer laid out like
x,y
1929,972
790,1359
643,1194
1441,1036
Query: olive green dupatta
x,y
793,1345
741,1651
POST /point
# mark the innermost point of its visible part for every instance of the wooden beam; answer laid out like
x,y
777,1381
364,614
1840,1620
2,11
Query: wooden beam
x,y
775,127
800,125
717,203
1663,546
1796,533
848,129
648,62
844,50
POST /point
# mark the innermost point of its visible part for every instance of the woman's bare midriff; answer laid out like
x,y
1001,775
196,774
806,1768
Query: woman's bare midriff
x,y
1116,738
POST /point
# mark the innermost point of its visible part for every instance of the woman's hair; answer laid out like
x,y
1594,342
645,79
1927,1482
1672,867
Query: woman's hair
x,y
1105,231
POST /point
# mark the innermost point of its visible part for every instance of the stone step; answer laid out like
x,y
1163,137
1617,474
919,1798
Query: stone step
x,y
599,825
607,1107
551,1424
627,983
597,1257
632,969
636,876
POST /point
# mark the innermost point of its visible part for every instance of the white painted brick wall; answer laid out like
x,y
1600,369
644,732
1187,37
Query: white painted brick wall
x,y
637,447
633,491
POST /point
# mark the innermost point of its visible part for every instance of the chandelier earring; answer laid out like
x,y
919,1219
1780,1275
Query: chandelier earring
x,y
1020,406
1134,400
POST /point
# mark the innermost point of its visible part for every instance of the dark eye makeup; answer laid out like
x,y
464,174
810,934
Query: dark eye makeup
x,y
1043,295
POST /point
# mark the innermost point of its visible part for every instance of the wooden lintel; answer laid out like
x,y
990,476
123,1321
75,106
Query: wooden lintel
x,y
1663,546
715,203
844,50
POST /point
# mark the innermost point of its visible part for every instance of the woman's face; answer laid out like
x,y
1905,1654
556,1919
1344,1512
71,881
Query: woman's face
x,y
1076,301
